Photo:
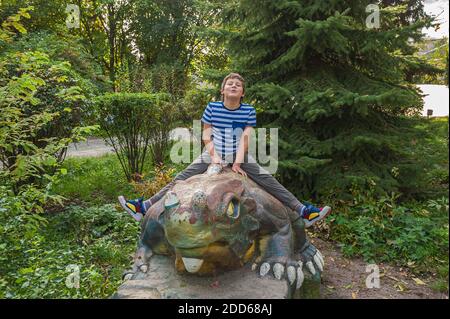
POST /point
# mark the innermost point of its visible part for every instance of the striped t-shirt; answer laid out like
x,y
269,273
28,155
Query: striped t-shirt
x,y
228,125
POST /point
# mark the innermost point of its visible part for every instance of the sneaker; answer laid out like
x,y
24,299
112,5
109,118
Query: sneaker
x,y
312,214
133,207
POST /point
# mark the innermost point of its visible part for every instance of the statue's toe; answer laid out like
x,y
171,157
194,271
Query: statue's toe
x,y
278,271
127,277
311,268
318,262
143,268
291,274
265,268
300,277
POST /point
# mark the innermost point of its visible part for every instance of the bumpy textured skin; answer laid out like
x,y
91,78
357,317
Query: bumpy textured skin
x,y
202,227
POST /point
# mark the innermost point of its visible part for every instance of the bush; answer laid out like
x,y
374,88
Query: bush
x,y
36,94
135,123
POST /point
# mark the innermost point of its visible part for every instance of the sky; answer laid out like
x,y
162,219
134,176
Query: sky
x,y
437,8
436,99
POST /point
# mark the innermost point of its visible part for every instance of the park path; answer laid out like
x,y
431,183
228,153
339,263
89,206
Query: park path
x,y
92,147
95,146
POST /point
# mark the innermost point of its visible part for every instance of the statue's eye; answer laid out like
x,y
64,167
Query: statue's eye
x,y
233,209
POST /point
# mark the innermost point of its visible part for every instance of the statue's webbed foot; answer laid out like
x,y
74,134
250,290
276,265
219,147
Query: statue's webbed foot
x,y
310,260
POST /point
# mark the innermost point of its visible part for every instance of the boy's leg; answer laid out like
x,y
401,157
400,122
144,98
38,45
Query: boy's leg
x,y
263,178
137,208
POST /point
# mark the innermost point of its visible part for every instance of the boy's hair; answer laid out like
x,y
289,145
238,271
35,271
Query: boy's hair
x,y
233,76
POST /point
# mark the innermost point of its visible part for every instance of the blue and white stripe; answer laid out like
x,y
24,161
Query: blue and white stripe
x,y
228,125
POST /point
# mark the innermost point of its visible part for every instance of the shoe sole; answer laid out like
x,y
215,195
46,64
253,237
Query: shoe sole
x,y
310,223
123,202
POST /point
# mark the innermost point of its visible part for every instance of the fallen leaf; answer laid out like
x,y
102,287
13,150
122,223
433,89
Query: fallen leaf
x,y
330,287
418,281
392,277
348,286
400,287
215,284
354,295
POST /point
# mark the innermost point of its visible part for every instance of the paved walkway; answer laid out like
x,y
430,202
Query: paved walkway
x,y
97,146
91,147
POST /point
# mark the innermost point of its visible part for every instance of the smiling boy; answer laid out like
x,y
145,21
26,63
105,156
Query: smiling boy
x,y
227,126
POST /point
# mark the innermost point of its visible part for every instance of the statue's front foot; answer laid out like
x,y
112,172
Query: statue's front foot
x,y
141,263
309,265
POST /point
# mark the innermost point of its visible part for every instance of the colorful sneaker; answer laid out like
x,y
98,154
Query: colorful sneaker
x,y
311,214
133,207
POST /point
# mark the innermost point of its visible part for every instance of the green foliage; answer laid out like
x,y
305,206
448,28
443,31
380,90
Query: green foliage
x,y
47,15
36,94
94,180
98,240
13,24
84,69
42,97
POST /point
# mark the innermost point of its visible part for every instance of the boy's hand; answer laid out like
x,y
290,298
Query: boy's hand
x,y
216,160
237,169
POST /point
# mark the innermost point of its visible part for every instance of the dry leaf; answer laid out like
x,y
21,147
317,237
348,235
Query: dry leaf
x,y
400,287
354,295
393,278
418,281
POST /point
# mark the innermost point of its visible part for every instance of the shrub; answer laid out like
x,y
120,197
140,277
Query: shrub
x,y
135,123
148,188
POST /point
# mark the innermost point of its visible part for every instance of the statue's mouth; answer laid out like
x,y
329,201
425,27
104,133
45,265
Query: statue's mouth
x,y
201,260
192,265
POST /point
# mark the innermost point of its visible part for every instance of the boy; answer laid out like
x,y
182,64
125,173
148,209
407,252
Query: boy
x,y
226,145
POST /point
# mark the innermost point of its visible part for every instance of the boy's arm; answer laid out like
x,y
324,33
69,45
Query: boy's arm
x,y
206,137
242,150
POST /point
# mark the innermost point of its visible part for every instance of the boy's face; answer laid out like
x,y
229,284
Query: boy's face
x,y
233,89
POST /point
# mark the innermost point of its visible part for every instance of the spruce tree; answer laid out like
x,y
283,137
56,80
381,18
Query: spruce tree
x,y
335,87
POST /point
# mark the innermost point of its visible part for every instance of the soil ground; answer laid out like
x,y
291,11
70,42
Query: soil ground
x,y
345,278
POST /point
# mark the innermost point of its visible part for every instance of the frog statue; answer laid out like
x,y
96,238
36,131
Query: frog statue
x,y
219,221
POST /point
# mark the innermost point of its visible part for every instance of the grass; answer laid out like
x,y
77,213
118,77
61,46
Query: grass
x,y
99,180
93,180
